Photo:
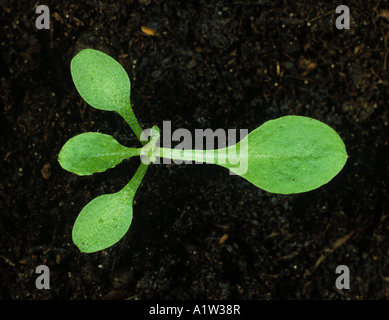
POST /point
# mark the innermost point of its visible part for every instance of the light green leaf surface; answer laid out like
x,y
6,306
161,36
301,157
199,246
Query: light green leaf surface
x,y
100,80
92,152
107,218
102,222
292,154
104,84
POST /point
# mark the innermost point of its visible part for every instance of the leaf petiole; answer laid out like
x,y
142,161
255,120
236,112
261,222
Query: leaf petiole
x,y
129,116
211,156
133,185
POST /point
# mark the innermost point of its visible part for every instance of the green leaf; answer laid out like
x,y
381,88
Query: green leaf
x,y
92,152
102,222
107,218
101,80
291,154
104,84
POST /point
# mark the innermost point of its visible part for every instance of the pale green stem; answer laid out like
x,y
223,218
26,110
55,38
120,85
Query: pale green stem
x,y
130,152
214,156
133,185
129,116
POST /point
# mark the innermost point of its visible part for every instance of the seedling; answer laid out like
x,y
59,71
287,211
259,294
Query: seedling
x,y
291,154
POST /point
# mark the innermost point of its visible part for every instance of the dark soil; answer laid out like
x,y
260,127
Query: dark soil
x,y
211,64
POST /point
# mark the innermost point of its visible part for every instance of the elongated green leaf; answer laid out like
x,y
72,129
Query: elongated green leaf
x,y
107,218
100,80
92,152
291,154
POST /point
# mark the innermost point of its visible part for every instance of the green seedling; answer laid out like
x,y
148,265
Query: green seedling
x,y
288,155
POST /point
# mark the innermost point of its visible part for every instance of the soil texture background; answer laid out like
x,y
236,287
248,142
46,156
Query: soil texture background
x,y
197,232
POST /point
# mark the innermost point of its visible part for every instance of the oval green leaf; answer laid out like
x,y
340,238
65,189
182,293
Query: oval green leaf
x,y
102,222
107,218
92,152
291,154
101,80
